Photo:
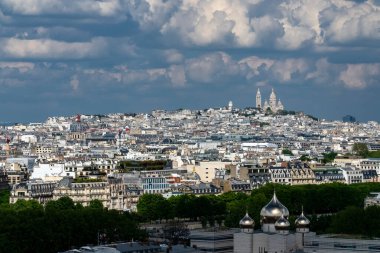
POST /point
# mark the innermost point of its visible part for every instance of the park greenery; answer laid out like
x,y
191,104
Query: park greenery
x,y
373,154
27,226
324,204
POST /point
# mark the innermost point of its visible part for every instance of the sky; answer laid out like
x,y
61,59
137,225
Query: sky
x,y
106,56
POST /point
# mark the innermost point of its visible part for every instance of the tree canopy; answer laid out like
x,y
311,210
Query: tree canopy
x,y
154,207
27,226
316,199
287,152
360,149
329,157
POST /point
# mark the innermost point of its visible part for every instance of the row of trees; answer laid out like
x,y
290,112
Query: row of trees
x,y
27,226
156,207
357,221
315,199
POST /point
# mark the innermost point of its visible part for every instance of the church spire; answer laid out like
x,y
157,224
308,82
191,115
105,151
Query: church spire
x,y
258,99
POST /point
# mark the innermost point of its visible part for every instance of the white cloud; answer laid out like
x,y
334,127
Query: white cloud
x,y
290,25
74,83
177,76
151,14
359,76
351,22
266,31
173,56
256,65
287,70
21,66
203,22
105,8
211,68
51,49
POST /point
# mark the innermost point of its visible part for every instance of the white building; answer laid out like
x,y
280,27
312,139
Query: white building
x,y
258,99
207,170
258,147
352,175
48,171
280,175
28,138
370,164
273,104
274,236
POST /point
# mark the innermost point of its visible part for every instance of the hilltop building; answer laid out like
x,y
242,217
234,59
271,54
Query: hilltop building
x,y
258,99
274,105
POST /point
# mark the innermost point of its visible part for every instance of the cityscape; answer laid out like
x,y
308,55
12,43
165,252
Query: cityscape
x,y
117,160
189,126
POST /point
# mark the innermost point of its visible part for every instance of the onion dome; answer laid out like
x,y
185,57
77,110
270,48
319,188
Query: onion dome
x,y
282,223
273,211
302,221
247,222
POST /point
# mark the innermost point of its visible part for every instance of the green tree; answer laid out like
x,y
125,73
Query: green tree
x,y
22,205
360,149
348,221
305,158
235,211
27,227
287,152
329,157
372,221
183,206
96,203
62,203
154,207
4,198
202,206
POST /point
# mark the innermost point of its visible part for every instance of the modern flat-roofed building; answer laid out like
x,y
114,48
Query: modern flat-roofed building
x,y
155,184
212,240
